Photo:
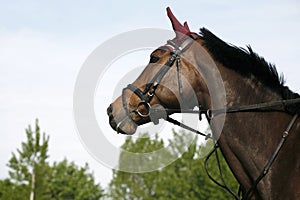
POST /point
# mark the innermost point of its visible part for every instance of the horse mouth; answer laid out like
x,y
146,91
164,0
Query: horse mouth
x,y
123,126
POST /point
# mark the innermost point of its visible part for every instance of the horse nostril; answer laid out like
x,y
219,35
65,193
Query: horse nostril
x,y
112,122
109,110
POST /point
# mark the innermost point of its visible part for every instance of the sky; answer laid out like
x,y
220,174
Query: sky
x,y
43,45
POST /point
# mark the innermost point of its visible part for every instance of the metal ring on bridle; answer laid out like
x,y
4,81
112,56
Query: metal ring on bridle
x,y
209,114
147,108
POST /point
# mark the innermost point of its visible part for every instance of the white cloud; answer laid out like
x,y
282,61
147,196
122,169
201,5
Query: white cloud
x,y
37,76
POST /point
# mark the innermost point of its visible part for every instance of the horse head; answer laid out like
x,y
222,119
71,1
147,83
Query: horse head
x,y
169,79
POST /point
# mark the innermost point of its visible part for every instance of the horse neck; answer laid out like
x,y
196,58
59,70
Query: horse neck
x,y
245,90
248,139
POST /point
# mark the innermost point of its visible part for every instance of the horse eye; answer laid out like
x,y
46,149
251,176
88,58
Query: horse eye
x,y
154,59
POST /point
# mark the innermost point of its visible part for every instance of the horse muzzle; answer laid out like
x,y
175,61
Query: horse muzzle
x,y
120,122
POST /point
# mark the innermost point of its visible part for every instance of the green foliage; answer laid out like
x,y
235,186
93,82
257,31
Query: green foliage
x,y
135,186
183,179
28,167
31,156
12,191
68,181
32,177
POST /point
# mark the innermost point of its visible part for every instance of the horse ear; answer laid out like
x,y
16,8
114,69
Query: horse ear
x,y
177,26
186,26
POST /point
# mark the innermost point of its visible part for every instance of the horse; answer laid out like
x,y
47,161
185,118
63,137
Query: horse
x,y
256,124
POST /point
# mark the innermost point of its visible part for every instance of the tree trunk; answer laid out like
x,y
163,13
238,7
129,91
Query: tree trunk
x,y
32,186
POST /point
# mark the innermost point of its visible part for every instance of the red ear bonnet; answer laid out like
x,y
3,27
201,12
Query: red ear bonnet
x,y
177,26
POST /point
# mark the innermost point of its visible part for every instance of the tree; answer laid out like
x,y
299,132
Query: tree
x,y
183,179
32,177
12,191
131,185
68,181
28,166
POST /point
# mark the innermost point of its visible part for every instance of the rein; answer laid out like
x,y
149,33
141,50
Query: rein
x,y
144,109
260,107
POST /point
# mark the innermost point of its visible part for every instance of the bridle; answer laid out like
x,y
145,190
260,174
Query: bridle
x,y
144,109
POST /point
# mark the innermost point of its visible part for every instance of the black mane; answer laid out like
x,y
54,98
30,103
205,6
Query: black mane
x,y
252,64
